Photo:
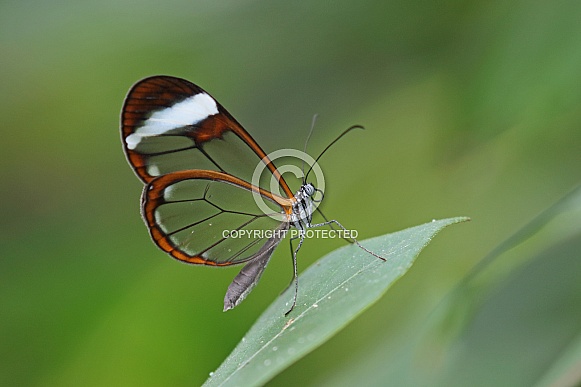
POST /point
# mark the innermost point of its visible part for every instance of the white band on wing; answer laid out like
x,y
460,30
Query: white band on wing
x,y
187,112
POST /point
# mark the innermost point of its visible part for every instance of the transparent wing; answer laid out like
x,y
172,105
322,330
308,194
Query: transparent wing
x,y
169,124
211,218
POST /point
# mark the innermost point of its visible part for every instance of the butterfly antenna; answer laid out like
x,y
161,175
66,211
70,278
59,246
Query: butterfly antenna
x,y
307,142
328,146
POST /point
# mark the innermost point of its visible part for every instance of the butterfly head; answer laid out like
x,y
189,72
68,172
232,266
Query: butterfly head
x,y
308,189
307,192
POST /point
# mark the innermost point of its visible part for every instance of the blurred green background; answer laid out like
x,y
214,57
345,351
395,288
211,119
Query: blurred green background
x,y
471,108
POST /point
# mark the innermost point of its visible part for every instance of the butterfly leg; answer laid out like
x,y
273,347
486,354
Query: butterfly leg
x,y
292,251
329,222
295,278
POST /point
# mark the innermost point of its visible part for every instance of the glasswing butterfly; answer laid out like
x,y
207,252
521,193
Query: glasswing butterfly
x,y
197,162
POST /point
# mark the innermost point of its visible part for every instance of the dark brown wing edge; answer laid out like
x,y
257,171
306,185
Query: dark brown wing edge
x,y
144,97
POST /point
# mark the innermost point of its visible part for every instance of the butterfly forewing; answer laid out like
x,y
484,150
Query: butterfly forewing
x,y
209,217
170,124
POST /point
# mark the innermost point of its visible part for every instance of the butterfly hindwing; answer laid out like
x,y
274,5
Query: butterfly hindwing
x,y
211,218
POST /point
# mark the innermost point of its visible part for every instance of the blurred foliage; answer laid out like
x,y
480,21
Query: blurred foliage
x,y
471,108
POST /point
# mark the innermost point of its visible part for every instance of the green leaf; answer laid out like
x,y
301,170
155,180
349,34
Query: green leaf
x,y
566,369
332,292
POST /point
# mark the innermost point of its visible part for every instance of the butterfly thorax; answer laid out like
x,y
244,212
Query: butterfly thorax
x,y
303,207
